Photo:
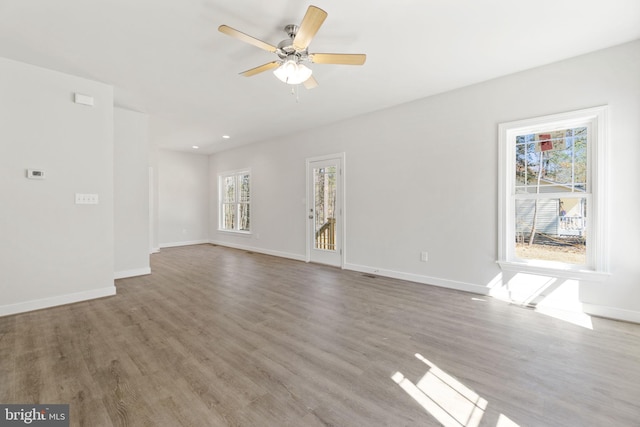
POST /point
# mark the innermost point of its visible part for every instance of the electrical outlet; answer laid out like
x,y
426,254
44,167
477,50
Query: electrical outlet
x,y
424,256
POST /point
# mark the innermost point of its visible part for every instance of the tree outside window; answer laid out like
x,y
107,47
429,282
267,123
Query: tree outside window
x,y
551,195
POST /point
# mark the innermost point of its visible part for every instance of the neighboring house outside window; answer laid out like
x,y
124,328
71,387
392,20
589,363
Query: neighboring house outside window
x,y
234,190
553,192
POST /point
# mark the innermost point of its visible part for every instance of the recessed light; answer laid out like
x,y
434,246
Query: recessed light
x,y
226,136
195,147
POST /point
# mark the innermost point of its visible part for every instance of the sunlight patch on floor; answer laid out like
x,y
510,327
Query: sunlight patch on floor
x,y
448,400
574,317
555,297
504,421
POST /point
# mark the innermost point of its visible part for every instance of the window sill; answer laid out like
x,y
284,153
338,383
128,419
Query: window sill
x,y
555,271
235,232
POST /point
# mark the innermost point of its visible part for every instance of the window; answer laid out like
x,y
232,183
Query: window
x,y
552,195
235,201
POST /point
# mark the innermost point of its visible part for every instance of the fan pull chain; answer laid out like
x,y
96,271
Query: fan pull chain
x,y
295,91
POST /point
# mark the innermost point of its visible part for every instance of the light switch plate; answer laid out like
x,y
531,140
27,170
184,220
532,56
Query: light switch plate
x,y
86,199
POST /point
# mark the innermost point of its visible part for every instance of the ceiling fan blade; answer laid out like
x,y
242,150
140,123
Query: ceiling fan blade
x,y
338,58
310,83
246,38
261,68
309,26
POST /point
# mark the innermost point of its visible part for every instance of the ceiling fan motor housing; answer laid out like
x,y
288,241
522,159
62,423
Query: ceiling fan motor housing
x,y
285,48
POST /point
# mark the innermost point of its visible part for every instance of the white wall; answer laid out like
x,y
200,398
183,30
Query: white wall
x,y
423,177
278,217
183,198
131,193
53,251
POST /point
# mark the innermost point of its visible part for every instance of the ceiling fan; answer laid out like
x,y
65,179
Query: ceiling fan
x,y
293,52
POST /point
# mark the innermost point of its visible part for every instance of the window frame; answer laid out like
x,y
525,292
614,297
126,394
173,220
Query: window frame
x,y
236,174
596,120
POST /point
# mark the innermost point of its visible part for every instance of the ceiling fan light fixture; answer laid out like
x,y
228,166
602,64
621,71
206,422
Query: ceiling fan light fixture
x,y
292,72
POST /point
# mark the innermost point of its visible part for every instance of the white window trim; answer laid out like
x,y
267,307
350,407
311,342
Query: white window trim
x,y
221,176
597,119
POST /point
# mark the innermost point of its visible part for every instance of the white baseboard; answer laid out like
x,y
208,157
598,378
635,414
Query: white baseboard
x,y
187,243
132,273
259,250
39,304
611,312
427,280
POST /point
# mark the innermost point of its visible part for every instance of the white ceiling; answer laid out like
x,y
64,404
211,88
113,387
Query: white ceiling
x,y
167,58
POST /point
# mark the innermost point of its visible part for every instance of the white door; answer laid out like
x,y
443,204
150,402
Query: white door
x,y
324,209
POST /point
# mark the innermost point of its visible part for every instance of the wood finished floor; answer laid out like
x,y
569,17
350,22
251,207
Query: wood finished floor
x,y
222,337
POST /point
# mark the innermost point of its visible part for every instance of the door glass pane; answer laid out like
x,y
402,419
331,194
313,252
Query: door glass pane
x,y
552,230
324,180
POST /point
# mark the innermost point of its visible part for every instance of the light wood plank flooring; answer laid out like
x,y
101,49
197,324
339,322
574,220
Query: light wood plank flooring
x,y
222,337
